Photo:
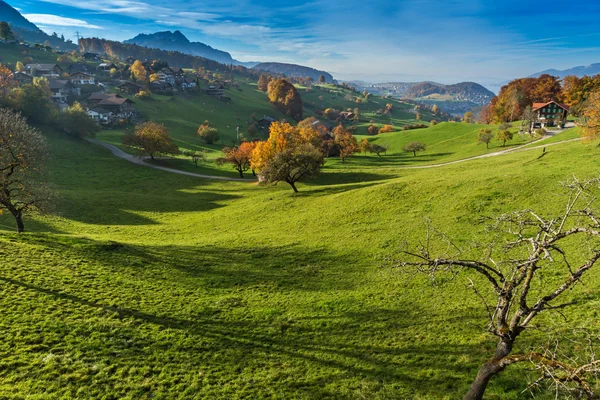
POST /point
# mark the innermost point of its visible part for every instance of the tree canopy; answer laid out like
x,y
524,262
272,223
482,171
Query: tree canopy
x,y
151,138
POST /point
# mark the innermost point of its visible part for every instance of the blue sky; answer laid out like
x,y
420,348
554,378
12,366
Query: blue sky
x,y
441,40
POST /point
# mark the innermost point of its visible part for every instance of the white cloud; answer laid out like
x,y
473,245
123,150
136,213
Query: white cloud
x,y
55,20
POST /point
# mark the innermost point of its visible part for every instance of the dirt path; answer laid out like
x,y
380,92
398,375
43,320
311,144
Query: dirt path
x,y
495,154
140,161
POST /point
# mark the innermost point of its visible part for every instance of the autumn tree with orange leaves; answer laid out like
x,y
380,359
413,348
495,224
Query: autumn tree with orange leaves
x,y
346,142
288,155
7,81
239,157
591,113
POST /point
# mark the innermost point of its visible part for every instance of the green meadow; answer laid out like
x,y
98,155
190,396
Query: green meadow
x,y
150,285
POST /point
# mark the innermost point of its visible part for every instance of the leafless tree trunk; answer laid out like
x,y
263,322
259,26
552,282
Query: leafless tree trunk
x,y
523,244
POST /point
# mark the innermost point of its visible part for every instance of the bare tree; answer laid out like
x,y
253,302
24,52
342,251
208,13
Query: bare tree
x,y
524,247
23,155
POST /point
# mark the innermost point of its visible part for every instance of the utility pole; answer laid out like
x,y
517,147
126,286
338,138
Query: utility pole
x,y
78,36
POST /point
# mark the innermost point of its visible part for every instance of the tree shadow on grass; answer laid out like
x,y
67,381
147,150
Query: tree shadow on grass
x,y
317,352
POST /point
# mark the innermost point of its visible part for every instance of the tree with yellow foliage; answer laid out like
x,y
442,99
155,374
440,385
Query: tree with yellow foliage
x,y
138,71
151,138
591,114
345,141
288,155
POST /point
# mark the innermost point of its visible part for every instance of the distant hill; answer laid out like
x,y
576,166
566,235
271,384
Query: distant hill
x,y
293,70
464,91
176,41
593,69
27,31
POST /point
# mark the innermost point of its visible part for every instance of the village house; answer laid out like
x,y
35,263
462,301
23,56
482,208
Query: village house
x,y
129,88
22,78
106,67
549,114
82,78
110,106
188,84
61,89
45,70
99,115
166,75
158,86
178,75
265,122
91,56
214,90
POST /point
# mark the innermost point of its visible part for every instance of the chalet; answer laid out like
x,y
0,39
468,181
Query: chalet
x,y
550,113
99,115
91,56
97,97
106,66
82,78
188,84
117,106
166,75
129,88
265,122
178,75
22,78
158,86
46,70
77,67
215,90
61,89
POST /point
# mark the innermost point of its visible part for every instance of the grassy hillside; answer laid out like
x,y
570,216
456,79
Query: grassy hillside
x,y
10,54
154,285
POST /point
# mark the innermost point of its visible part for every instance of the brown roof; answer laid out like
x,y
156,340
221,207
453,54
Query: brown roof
x,y
537,106
114,101
101,96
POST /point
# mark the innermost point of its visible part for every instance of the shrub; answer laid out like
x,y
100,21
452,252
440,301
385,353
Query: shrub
x,y
386,129
373,130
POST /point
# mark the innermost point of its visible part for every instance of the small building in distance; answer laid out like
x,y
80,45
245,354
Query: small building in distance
x,y
91,56
22,78
61,89
82,78
265,122
129,88
549,114
215,90
45,70
106,66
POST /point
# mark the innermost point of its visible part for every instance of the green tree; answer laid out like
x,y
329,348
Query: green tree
x,y
76,122
34,101
414,147
504,136
208,134
23,156
151,138
485,136
6,33
469,117
378,149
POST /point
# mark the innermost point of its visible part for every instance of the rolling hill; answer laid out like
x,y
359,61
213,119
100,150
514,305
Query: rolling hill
x,y
293,70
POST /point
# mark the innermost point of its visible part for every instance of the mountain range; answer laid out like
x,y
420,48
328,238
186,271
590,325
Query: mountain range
x,y
176,41
590,70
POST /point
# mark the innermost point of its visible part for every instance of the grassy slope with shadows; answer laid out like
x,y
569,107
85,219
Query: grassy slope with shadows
x,y
153,285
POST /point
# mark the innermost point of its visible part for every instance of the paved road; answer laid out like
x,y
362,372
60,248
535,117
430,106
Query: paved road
x,y
140,161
